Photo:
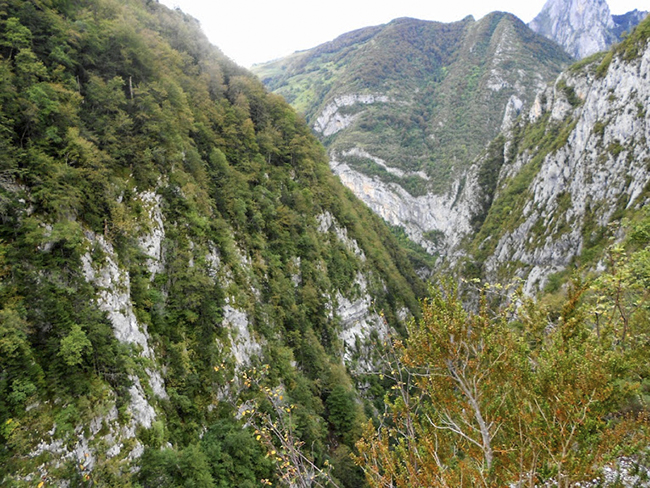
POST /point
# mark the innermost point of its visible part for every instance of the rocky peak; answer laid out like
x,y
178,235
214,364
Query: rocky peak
x,y
583,27
627,22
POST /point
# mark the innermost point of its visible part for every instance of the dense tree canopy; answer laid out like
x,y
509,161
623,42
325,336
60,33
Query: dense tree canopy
x,y
109,108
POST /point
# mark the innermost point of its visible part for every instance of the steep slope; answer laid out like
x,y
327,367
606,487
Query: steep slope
x,y
569,172
404,108
583,27
165,224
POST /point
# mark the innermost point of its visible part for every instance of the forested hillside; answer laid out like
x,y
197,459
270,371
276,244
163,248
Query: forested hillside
x,y
404,108
166,225
189,296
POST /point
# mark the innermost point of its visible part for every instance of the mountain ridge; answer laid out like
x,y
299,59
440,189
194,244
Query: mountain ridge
x,y
412,130
552,191
603,166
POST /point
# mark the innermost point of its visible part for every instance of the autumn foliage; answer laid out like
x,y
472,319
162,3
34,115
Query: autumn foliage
x,y
505,397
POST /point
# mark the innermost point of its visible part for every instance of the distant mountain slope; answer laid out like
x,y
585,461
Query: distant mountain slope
x,y
404,108
165,225
626,23
583,27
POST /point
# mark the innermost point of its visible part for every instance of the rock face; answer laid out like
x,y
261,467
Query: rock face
x,y
583,27
355,311
114,295
436,222
243,344
359,321
332,121
597,166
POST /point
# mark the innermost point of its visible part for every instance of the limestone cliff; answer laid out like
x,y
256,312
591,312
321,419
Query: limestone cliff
x,y
583,27
575,163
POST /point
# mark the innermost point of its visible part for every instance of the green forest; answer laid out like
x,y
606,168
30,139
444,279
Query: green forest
x,y
119,122
102,102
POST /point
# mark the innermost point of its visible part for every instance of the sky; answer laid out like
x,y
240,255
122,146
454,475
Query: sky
x,y
254,31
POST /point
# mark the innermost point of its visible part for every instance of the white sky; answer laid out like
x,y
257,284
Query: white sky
x,y
254,31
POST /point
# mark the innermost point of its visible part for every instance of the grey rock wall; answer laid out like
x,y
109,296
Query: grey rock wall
x,y
604,166
583,27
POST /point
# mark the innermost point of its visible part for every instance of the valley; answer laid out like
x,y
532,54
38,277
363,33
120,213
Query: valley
x,y
416,255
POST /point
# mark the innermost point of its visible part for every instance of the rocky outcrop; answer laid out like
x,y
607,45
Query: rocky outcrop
x,y
103,430
602,167
327,222
583,27
513,110
151,239
243,344
354,310
331,120
445,215
360,153
359,321
114,294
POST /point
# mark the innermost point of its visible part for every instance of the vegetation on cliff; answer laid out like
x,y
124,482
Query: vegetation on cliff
x,y
531,393
112,111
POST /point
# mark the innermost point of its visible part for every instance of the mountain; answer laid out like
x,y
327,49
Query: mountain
x,y
173,246
624,24
190,297
551,193
583,27
404,108
559,207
